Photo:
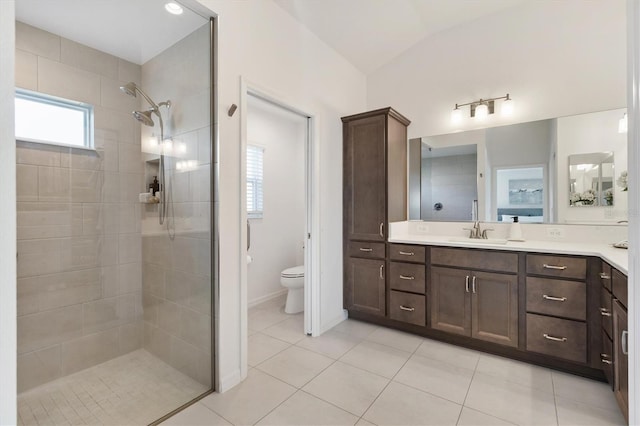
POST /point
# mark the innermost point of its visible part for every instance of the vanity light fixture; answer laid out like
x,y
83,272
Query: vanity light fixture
x,y
482,108
622,124
173,8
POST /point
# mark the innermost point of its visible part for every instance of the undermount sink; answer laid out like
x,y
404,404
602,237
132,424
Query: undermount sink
x,y
497,241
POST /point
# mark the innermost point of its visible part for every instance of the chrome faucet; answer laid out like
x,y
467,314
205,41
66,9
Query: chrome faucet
x,y
477,233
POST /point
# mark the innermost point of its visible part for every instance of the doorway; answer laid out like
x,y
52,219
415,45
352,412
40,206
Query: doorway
x,y
278,215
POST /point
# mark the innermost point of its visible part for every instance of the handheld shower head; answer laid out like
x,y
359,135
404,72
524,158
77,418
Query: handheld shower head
x,y
144,117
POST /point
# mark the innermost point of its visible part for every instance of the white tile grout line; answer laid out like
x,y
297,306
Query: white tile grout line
x,y
475,369
555,401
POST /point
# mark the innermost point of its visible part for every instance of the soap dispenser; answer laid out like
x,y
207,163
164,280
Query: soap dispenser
x,y
515,233
154,187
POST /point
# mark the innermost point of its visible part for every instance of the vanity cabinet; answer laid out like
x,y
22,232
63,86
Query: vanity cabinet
x,y
474,303
621,357
374,194
557,306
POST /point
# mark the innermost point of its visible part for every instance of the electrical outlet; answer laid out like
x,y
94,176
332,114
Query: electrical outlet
x,y
422,227
555,233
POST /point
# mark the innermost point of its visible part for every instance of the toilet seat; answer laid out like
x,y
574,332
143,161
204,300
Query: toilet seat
x,y
295,272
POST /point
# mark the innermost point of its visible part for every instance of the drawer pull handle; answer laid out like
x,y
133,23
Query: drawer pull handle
x,y
604,276
624,341
367,250
605,312
404,277
605,356
555,339
473,284
606,361
381,272
555,299
557,268
382,230
406,253
466,283
404,308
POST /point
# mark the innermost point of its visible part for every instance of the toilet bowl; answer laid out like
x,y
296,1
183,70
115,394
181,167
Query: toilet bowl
x,y
293,279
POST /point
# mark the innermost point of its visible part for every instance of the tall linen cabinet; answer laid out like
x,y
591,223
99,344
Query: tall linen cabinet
x,y
375,193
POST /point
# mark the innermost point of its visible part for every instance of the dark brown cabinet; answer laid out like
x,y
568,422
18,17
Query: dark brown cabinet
x,y
620,357
481,305
367,285
374,194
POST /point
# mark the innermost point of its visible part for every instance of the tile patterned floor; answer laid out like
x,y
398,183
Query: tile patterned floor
x,y
362,374
134,389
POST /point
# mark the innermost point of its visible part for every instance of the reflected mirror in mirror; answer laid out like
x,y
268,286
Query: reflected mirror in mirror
x,y
591,179
521,170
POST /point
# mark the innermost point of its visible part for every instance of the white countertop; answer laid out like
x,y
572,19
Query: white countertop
x,y
618,258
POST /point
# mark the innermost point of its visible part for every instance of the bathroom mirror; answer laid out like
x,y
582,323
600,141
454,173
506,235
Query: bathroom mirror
x,y
591,179
521,170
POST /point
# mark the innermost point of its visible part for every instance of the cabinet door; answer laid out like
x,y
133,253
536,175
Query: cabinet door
x,y
494,307
620,358
365,178
365,285
450,302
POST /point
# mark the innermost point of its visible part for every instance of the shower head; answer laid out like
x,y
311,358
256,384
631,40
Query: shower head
x,y
144,117
129,89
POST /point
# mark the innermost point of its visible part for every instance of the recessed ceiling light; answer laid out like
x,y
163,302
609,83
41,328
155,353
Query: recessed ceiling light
x,y
173,8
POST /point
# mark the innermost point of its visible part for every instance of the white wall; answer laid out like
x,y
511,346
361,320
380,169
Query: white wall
x,y
277,238
264,44
584,134
554,58
8,314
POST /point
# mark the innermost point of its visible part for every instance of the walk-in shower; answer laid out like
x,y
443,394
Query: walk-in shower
x,y
145,117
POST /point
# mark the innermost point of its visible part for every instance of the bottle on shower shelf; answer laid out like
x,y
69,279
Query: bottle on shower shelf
x,y
154,186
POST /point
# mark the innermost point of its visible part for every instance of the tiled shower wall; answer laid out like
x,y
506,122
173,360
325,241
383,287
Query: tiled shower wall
x,y
177,272
79,239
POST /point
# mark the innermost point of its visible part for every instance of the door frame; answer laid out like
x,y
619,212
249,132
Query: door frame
x,y
312,211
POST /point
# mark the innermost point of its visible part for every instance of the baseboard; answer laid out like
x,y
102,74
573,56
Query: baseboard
x,y
229,381
262,299
337,320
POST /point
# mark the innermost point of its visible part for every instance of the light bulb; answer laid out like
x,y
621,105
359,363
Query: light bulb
x,y
507,107
167,145
622,124
153,141
456,115
179,165
182,147
173,8
482,111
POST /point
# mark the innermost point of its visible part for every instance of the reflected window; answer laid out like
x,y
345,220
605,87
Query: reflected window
x,y
48,119
255,168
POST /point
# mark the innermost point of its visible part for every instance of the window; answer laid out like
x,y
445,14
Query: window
x,y
255,160
48,119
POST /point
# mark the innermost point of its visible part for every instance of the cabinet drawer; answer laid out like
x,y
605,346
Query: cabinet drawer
x,y
557,337
366,249
407,307
557,297
407,253
407,277
605,311
619,286
475,259
606,357
557,266
605,275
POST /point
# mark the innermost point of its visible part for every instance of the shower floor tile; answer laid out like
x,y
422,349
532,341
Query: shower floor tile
x,y
136,388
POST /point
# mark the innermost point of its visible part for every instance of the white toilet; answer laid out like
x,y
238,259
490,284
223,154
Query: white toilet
x,y
293,279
